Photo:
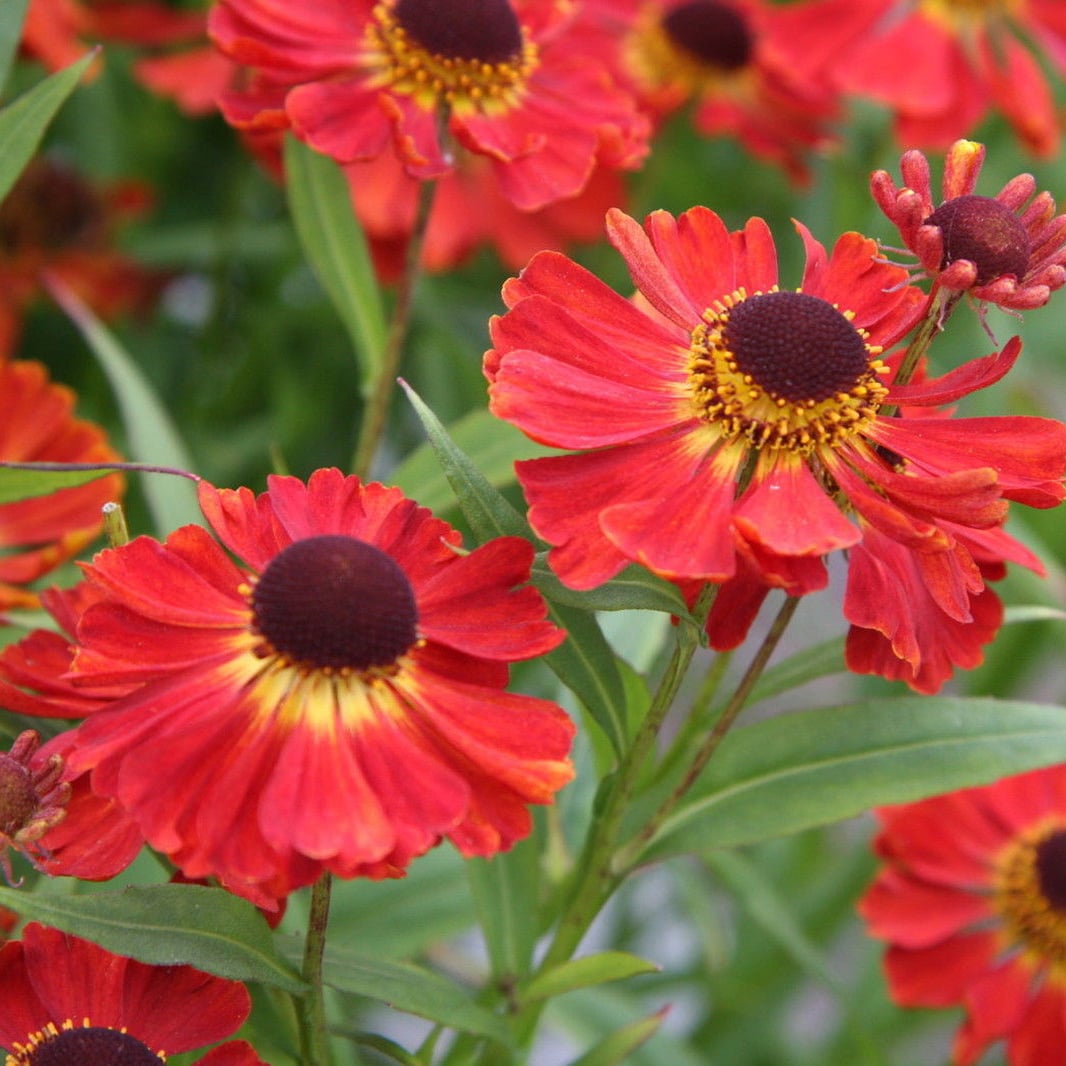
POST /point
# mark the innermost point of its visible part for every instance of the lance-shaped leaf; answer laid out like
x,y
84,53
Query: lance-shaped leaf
x,y
22,123
816,767
335,246
168,925
152,435
586,972
27,480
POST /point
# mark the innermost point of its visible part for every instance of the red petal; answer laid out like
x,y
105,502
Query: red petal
x,y
788,512
939,975
912,913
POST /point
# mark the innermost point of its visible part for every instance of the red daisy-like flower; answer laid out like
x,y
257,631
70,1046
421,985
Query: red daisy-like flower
x,y
732,427
725,57
67,1000
940,66
1009,249
180,62
972,903
37,425
512,82
53,221
335,703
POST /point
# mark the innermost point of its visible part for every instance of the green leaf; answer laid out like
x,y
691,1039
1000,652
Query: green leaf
x,y
30,480
634,589
22,123
816,767
412,989
586,664
491,445
586,972
336,248
488,512
622,1042
505,891
168,925
12,15
151,433
1033,612
821,660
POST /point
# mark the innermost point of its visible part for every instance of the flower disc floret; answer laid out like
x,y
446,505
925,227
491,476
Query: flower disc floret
x,y
1009,249
1030,892
984,231
335,603
472,55
784,370
714,33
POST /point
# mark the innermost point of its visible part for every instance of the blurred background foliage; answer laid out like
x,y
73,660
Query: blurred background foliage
x,y
764,961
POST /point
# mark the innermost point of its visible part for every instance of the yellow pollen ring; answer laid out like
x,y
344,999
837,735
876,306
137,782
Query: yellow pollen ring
x,y
23,1053
956,15
399,63
736,404
1030,919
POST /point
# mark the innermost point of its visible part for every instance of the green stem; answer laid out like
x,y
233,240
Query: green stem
x,y
941,306
596,879
630,854
314,1036
376,413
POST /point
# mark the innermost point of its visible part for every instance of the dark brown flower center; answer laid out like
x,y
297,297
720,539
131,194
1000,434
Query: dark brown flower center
x,y
335,603
795,346
1031,891
1051,869
987,233
18,797
716,34
50,207
482,30
89,1046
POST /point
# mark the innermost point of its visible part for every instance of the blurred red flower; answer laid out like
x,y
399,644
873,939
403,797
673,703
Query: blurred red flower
x,y
972,902
727,59
55,221
40,533
940,67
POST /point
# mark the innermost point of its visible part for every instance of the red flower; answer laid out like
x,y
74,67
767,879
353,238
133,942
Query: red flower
x,y
939,66
32,799
54,221
726,57
511,82
996,248
469,210
97,839
971,900
337,703
734,421
36,425
67,1000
